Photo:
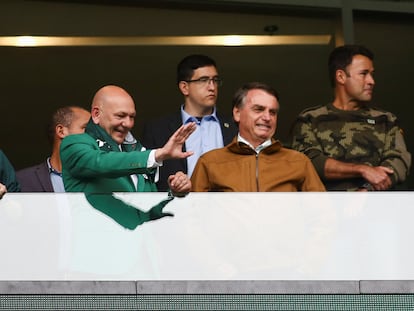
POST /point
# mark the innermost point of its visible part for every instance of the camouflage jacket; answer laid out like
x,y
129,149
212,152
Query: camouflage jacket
x,y
367,136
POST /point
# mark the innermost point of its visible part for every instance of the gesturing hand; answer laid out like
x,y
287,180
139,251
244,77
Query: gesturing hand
x,y
173,148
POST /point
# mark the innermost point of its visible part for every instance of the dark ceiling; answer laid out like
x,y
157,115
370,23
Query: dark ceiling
x,y
212,5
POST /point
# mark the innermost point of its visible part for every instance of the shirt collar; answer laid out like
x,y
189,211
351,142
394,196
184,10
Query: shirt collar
x,y
51,169
189,118
259,148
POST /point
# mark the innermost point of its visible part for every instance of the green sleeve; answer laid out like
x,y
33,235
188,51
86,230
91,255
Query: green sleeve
x,y
83,159
7,174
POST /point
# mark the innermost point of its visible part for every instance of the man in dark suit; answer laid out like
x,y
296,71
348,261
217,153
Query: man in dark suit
x,y
198,81
47,176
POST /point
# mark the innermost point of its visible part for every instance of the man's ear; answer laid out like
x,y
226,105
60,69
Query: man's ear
x,y
95,114
236,114
340,76
183,86
61,131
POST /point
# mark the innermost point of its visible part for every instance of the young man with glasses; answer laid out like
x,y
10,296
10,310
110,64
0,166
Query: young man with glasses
x,y
198,81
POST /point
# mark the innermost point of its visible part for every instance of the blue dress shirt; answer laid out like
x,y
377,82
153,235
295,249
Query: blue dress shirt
x,y
206,137
55,178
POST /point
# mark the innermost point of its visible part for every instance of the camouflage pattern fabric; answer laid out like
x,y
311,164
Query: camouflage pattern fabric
x,y
367,136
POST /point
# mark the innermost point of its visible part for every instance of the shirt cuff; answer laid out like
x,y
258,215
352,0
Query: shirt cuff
x,y
151,163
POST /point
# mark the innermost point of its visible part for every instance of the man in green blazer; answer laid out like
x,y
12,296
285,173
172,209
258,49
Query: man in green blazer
x,y
8,180
107,158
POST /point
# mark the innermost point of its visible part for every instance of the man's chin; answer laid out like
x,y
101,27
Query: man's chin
x,y
265,133
366,97
118,139
210,103
263,137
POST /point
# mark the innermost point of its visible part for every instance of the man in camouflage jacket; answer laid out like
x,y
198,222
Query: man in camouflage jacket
x,y
353,146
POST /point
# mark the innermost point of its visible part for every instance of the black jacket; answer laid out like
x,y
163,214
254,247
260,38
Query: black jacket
x,y
157,132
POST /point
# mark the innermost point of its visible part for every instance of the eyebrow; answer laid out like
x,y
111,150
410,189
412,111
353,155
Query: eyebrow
x,y
256,106
215,76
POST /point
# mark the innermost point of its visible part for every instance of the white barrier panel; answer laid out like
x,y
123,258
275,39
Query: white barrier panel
x,y
212,236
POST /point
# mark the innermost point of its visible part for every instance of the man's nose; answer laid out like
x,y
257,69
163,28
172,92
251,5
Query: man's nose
x,y
128,123
266,115
212,84
371,79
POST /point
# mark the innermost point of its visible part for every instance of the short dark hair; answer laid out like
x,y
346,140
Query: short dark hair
x,y
64,116
342,56
239,97
186,67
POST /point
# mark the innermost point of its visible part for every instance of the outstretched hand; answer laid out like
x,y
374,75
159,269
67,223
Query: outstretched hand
x,y
156,212
173,148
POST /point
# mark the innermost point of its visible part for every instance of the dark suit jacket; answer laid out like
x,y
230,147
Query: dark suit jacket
x,y
157,132
35,178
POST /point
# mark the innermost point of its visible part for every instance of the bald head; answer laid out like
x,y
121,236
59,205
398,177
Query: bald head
x,y
114,110
108,94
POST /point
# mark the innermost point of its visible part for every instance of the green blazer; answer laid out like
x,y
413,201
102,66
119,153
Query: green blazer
x,y
93,163
7,174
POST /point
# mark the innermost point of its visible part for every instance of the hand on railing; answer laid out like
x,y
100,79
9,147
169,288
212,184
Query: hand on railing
x,y
3,190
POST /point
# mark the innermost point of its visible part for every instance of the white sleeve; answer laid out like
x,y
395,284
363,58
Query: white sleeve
x,y
151,163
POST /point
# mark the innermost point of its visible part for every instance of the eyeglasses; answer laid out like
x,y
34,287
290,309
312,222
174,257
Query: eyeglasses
x,y
206,81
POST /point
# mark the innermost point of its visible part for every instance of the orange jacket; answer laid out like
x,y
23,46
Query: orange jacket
x,y
237,167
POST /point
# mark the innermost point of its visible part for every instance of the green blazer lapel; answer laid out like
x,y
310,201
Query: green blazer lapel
x,y
105,142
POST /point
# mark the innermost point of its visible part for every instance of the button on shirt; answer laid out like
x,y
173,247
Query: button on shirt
x,y
206,137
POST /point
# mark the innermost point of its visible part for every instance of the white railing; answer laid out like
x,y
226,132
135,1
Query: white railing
x,y
212,236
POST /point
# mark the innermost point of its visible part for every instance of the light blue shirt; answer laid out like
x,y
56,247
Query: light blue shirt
x,y
55,178
206,137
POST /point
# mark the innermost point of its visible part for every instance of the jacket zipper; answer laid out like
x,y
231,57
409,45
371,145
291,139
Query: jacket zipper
x,y
257,172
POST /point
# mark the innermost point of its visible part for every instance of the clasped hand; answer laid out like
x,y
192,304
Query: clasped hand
x,y
180,184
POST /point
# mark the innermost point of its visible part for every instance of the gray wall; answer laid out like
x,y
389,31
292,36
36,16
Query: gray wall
x,y
35,81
